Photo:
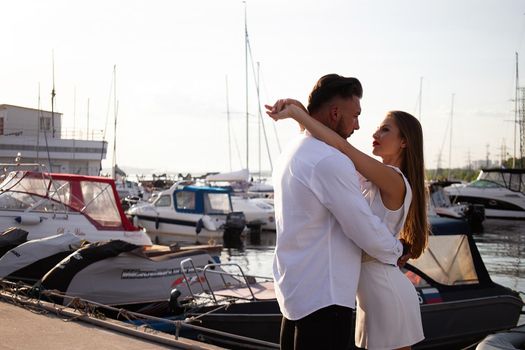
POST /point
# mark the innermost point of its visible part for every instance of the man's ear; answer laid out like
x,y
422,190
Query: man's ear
x,y
333,113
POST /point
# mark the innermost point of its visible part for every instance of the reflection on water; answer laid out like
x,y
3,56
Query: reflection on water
x,y
502,246
255,255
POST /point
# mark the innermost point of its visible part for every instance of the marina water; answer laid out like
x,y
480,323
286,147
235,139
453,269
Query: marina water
x,y
501,244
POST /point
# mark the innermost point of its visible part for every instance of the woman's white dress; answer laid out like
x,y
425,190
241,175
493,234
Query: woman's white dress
x,y
388,313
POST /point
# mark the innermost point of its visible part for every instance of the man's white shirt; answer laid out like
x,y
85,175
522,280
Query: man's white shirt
x,y
323,222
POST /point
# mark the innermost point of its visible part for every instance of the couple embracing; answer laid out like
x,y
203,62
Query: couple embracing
x,y
346,222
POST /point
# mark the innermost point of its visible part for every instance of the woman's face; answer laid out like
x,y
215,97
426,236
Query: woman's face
x,y
388,143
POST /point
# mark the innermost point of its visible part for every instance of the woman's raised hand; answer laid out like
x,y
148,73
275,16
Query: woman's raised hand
x,y
284,108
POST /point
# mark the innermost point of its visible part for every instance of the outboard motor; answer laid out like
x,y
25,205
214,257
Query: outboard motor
x,y
235,224
476,216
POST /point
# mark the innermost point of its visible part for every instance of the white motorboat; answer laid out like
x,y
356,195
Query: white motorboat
x,y
257,211
253,199
500,191
46,204
188,210
441,205
114,273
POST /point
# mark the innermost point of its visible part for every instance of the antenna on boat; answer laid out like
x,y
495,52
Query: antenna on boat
x,y
450,141
74,123
87,124
38,116
229,128
53,94
115,110
106,123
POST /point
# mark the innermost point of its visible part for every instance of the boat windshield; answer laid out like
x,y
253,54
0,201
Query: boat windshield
x,y
217,203
485,184
63,194
514,181
447,260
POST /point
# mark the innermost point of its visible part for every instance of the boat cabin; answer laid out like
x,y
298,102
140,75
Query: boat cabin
x,y
197,200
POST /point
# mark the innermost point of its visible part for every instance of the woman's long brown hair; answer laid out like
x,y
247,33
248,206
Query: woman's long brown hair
x,y
416,229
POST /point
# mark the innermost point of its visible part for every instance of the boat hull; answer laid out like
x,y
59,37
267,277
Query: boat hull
x,y
42,224
165,230
446,325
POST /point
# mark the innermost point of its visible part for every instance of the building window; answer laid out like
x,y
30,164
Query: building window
x,y
45,124
1,126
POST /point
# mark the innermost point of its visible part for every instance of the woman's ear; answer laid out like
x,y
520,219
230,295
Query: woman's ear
x,y
403,143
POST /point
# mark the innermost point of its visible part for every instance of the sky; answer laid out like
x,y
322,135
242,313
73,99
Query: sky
x,y
180,67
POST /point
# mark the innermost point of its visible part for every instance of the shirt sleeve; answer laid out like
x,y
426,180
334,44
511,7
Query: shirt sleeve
x,y
335,182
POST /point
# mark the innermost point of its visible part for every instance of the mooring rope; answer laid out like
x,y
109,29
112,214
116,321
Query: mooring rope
x,y
31,298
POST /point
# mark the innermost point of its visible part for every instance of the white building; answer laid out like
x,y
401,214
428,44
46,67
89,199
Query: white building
x,y
38,136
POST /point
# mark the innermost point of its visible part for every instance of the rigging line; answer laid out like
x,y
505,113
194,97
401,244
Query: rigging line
x,y
52,117
53,94
442,146
265,89
237,148
259,105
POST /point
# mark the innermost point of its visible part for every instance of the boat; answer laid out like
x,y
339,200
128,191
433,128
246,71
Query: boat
x,y
45,204
440,203
441,225
248,198
188,210
460,304
501,191
510,339
259,212
31,260
124,275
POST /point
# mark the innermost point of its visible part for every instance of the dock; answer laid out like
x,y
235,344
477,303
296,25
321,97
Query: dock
x,y
39,325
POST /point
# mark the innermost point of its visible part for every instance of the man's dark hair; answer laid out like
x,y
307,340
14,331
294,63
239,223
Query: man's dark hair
x,y
330,86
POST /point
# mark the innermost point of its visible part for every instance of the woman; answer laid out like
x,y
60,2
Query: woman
x,y
388,314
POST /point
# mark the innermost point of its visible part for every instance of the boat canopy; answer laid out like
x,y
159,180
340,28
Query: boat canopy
x,y
449,261
94,197
513,179
202,200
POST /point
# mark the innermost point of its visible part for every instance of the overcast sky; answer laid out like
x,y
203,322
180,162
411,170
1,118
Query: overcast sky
x,y
172,59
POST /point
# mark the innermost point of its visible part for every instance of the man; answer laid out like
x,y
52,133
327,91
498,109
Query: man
x,y
323,222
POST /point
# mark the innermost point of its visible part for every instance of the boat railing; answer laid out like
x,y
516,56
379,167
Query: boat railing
x,y
191,273
217,269
186,272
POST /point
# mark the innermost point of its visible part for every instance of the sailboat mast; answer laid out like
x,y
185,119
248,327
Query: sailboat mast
x,y
450,141
115,126
229,128
246,82
516,107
